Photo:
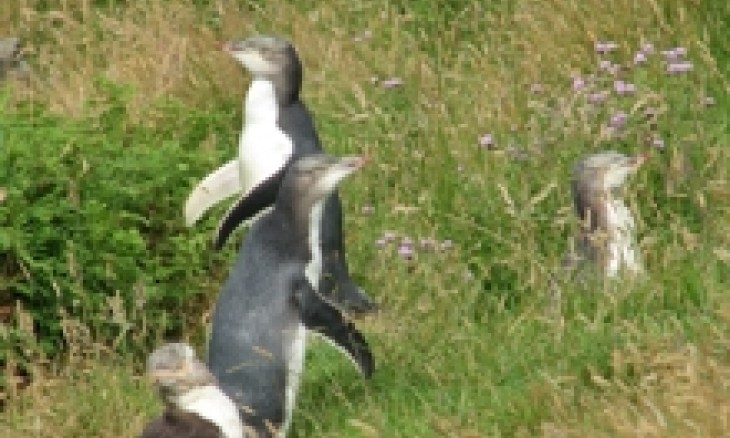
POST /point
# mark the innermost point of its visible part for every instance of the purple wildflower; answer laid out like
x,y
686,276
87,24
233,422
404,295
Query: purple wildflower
x,y
640,58
368,209
674,54
579,84
392,83
486,141
599,97
679,67
406,251
604,47
623,88
647,48
618,120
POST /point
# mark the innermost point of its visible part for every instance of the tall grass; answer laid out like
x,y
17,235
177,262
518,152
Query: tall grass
x,y
471,341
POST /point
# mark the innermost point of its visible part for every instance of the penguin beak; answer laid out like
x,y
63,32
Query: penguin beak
x,y
353,162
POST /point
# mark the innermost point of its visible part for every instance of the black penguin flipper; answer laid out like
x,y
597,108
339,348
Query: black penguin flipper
x,y
323,318
248,206
336,283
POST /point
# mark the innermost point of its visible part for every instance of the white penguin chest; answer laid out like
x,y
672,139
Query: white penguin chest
x,y
313,271
211,403
622,250
263,148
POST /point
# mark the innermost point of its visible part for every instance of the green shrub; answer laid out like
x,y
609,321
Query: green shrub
x,y
92,231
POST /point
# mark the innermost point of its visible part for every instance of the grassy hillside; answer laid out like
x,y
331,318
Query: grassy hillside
x,y
474,116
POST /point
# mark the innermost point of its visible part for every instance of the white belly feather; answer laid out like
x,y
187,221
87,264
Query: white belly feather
x,y
622,249
263,148
211,403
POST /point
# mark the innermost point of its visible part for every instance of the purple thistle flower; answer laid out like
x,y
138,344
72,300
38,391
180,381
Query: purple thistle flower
x,y
392,83
618,120
674,54
640,58
599,97
604,47
486,141
406,251
623,88
579,84
368,209
679,67
658,143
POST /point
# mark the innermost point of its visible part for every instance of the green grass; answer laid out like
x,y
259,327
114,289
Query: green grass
x,y
470,341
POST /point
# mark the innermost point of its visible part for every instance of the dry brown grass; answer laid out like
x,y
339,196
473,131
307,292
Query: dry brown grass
x,y
677,389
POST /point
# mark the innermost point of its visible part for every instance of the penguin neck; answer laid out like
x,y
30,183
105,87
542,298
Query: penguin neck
x,y
271,91
210,403
261,106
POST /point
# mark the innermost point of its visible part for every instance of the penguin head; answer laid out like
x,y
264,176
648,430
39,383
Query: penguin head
x,y
606,171
175,370
264,55
318,175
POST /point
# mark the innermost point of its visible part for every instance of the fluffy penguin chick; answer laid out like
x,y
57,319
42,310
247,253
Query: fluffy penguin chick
x,y
194,405
606,237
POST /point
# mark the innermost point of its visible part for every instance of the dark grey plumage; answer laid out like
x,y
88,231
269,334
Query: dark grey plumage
x,y
257,342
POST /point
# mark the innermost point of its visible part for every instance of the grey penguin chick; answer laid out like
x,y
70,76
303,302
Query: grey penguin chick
x,y
606,237
271,300
278,129
195,407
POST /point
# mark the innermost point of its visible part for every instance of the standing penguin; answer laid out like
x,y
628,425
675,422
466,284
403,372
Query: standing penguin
x,y
278,129
606,237
194,405
270,300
